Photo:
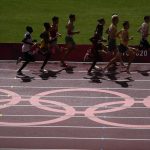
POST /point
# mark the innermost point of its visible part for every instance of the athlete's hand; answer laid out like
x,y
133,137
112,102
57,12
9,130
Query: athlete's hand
x,y
131,38
77,32
58,35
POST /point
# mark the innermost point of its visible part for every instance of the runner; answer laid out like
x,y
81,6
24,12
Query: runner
x,y
144,30
70,43
45,45
112,45
112,37
97,46
54,34
112,34
27,54
123,47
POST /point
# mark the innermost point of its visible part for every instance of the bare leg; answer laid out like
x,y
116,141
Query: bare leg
x,y
22,67
113,60
47,57
68,50
131,53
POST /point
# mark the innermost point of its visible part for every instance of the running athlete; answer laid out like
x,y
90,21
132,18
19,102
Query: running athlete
x,y
27,54
54,34
112,34
144,30
112,45
97,46
45,45
70,43
123,47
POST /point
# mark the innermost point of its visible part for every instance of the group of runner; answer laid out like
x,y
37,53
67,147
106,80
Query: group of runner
x,y
117,51
49,37
48,43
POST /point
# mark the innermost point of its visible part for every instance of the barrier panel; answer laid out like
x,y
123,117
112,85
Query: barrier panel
x,y
11,51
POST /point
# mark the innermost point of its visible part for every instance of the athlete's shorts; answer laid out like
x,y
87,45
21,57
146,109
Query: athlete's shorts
x,y
44,51
144,44
53,42
27,56
112,46
70,40
122,48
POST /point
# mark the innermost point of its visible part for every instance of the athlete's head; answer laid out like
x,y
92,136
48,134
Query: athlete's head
x,y
47,26
72,17
147,19
126,25
29,29
115,19
55,20
101,21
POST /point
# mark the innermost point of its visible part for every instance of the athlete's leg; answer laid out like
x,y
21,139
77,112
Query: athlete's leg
x,y
47,57
22,67
131,53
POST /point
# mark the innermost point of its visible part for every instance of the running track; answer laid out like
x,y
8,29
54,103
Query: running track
x,y
68,109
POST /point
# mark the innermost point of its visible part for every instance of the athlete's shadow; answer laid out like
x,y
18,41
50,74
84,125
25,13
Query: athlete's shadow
x,y
70,69
96,77
125,83
112,75
143,72
47,74
112,72
25,78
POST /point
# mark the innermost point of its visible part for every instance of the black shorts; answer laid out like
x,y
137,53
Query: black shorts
x,y
27,56
44,51
122,48
98,46
144,44
112,46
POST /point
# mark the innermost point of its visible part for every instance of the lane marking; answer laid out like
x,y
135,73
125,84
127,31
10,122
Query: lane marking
x,y
74,79
104,117
76,71
76,97
76,127
62,87
75,106
68,62
74,138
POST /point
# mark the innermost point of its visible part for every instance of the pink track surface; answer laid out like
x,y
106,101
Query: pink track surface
x,y
68,109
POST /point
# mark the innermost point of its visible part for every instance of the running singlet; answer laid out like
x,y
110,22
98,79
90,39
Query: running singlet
x,y
70,28
112,31
45,39
53,32
28,38
144,30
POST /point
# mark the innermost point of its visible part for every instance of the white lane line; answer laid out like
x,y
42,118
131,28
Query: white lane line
x,y
26,97
76,71
73,79
104,117
69,87
77,127
74,138
75,106
78,97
